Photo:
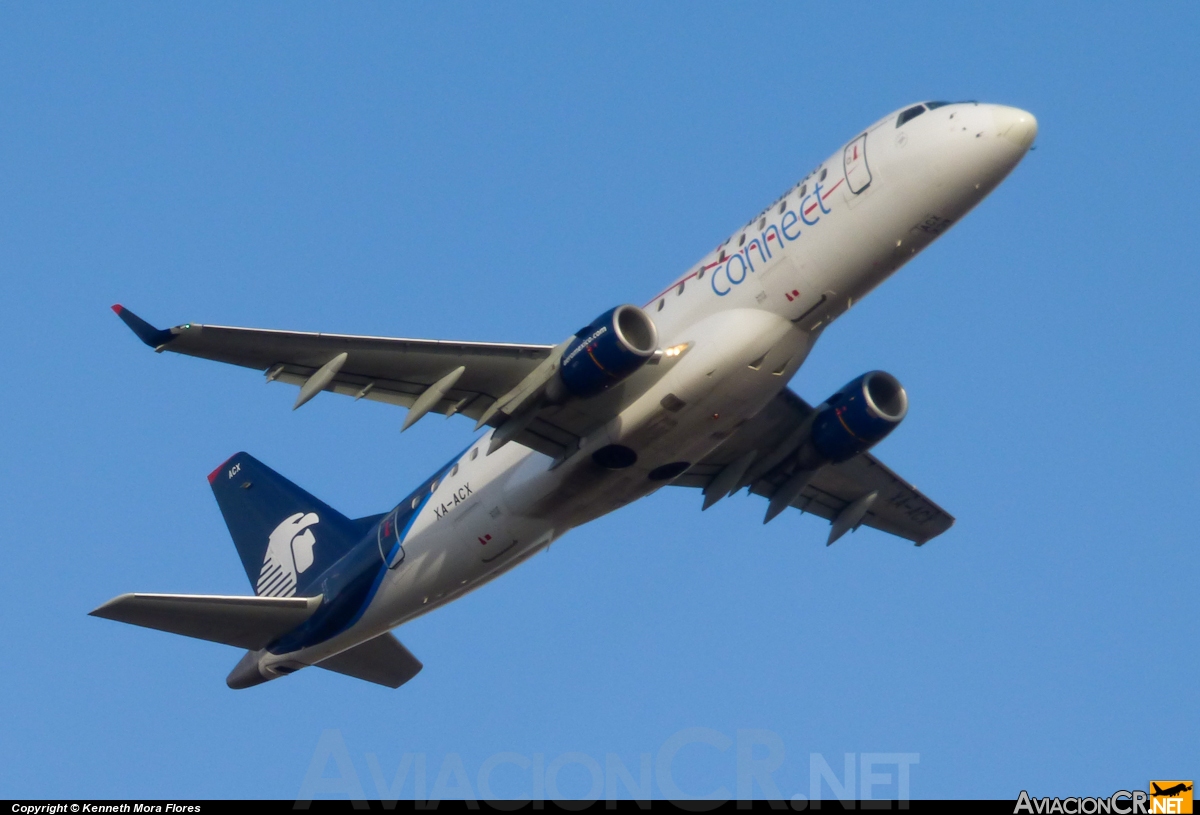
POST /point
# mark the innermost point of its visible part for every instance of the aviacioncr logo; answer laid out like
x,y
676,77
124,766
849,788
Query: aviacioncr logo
x,y
289,553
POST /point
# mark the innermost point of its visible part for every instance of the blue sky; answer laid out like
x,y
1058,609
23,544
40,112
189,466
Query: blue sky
x,y
477,172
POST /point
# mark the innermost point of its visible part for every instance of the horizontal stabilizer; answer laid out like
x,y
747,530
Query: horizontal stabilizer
x,y
244,622
382,660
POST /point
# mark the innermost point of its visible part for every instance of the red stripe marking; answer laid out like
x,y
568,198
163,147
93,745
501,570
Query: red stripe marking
x,y
665,291
212,477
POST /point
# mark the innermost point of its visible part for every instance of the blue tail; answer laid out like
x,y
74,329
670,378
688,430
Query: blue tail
x,y
285,537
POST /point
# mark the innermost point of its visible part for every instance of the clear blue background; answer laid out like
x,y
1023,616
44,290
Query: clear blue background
x,y
468,171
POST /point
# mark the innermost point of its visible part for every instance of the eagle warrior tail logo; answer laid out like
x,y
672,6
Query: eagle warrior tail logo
x,y
289,554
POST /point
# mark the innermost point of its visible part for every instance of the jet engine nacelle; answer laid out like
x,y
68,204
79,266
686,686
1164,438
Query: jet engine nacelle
x,y
858,416
608,350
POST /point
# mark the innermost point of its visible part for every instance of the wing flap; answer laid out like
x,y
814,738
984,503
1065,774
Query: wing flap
x,y
382,660
243,622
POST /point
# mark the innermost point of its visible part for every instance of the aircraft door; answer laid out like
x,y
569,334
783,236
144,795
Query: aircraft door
x,y
854,161
388,538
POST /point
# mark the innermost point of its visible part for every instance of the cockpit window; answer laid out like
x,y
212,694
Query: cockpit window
x,y
934,105
909,115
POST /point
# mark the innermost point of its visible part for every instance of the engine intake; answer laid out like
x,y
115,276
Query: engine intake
x,y
607,351
859,416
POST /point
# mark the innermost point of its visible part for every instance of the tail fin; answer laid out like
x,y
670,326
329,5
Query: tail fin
x,y
284,536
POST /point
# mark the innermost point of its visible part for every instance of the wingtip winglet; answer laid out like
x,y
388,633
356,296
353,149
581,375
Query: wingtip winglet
x,y
154,337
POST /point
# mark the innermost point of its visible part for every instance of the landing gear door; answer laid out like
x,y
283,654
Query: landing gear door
x,y
854,160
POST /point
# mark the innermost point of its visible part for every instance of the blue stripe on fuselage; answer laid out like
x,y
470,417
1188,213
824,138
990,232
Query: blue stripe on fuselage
x,y
351,583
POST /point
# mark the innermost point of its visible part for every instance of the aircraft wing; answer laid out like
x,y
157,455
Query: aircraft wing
x,y
446,377
383,369
768,439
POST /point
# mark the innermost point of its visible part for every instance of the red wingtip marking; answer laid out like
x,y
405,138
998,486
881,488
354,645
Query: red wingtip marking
x,y
118,308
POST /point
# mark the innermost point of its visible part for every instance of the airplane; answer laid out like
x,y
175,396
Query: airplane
x,y
690,390
1170,792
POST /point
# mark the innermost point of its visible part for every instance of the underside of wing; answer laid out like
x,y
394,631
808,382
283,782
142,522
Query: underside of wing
x,y
899,508
394,370
384,369
861,490
474,379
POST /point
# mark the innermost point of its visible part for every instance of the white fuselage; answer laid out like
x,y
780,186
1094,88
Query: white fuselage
x,y
748,314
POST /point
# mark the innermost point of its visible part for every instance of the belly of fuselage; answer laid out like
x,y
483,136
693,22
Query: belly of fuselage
x,y
736,361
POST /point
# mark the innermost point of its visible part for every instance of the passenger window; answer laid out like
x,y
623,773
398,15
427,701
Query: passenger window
x,y
721,257
416,501
803,190
824,172
762,224
700,274
454,471
661,303
782,206
474,453
681,288
910,114
433,487
742,239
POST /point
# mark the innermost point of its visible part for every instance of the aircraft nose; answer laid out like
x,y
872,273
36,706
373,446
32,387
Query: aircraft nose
x,y
1016,125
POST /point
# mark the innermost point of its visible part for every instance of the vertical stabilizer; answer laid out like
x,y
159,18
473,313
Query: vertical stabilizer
x,y
285,537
